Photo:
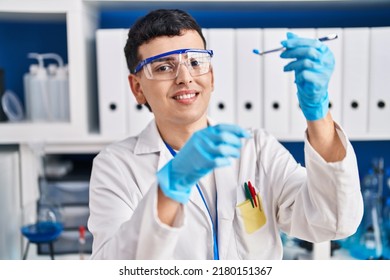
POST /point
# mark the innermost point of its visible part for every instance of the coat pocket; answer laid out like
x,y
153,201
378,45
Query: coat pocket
x,y
251,230
251,217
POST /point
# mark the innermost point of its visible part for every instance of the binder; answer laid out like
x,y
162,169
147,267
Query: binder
x,y
111,82
379,84
119,114
276,85
335,83
222,102
249,78
297,120
356,71
138,116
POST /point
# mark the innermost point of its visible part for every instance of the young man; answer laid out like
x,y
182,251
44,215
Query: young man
x,y
187,188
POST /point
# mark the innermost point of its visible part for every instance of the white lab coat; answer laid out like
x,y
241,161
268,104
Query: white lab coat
x,y
317,203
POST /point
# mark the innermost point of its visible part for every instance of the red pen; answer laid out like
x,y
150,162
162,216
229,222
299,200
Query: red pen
x,y
253,192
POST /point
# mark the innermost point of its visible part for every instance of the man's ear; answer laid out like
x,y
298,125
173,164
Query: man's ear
x,y
136,88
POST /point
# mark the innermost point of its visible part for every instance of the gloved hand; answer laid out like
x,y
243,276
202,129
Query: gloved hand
x,y
207,149
313,68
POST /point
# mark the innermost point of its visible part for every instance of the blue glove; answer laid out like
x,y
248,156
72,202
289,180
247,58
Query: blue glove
x,y
207,149
313,68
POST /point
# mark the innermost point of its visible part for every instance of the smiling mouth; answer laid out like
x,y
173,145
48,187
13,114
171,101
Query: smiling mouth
x,y
185,96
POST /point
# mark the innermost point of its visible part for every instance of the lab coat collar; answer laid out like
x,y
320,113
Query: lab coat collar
x,y
149,140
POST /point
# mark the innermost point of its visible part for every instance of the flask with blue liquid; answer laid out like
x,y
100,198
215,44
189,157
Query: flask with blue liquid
x,y
367,243
386,229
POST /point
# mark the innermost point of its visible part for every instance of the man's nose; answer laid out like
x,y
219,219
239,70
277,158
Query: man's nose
x,y
183,75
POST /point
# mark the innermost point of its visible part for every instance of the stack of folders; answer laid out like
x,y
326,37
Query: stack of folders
x,y
253,91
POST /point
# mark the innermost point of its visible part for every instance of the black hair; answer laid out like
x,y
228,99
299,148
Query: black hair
x,y
157,23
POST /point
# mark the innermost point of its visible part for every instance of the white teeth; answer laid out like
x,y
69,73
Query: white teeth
x,y
185,96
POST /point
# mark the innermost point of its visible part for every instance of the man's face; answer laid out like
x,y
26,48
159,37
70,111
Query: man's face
x,y
182,100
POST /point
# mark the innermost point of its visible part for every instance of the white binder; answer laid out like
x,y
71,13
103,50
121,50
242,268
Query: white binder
x,y
222,104
119,114
379,85
297,119
335,84
112,79
276,84
356,52
249,78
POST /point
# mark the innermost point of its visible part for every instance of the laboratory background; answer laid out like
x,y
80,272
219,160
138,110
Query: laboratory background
x,y
64,96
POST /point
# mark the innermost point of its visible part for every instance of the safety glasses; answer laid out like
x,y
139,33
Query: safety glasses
x,y
166,66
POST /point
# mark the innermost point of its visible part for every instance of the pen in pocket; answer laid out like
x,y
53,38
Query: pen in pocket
x,y
248,194
253,192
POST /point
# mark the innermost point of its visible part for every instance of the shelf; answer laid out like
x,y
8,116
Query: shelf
x,y
235,5
35,132
32,17
113,3
370,137
58,137
37,6
91,145
72,36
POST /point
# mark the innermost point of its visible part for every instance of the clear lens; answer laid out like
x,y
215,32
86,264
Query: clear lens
x,y
167,67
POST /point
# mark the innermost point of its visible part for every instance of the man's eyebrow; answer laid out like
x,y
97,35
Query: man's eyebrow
x,y
167,58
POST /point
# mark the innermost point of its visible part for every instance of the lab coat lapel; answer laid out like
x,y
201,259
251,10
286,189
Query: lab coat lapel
x,y
149,140
226,182
196,199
